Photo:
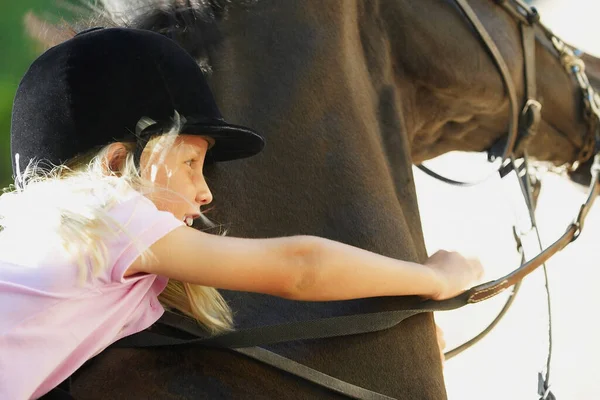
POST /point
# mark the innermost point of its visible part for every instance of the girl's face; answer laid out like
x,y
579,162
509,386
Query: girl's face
x,y
180,172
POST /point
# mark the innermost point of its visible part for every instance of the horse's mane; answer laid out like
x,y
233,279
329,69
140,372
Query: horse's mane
x,y
191,23
194,28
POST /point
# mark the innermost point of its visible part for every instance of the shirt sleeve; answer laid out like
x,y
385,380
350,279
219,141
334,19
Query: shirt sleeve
x,y
142,225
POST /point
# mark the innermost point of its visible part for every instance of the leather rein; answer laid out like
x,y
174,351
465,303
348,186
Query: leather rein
x,y
522,126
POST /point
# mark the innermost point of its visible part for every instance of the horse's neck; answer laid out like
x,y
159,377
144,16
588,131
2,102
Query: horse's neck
x,y
453,97
337,162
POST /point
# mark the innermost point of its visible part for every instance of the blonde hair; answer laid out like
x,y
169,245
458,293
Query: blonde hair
x,y
73,213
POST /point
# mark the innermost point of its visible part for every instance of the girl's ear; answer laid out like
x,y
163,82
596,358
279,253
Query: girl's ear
x,y
115,158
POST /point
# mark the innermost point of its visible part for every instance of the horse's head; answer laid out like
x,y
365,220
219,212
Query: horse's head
x,y
453,94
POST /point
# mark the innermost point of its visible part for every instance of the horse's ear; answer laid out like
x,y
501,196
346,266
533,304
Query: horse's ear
x,y
45,33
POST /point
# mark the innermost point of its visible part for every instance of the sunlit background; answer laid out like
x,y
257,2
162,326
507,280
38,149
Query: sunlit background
x,y
474,220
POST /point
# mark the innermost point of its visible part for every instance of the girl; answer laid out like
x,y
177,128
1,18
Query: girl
x,y
123,123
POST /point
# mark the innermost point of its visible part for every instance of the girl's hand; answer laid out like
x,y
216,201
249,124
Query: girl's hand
x,y
455,272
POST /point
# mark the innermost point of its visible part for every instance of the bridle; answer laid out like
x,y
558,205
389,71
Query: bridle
x,y
522,126
515,146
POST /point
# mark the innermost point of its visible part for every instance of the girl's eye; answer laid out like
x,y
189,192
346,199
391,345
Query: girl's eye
x,y
190,162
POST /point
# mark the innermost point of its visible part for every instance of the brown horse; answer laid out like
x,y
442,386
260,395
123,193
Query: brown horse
x,y
349,94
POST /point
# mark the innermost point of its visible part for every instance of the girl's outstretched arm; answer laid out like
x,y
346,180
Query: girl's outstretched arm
x,y
302,267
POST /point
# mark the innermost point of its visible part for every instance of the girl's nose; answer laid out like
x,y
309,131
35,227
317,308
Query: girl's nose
x,y
203,193
204,198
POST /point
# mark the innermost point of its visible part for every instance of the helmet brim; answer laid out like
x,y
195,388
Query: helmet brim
x,y
232,142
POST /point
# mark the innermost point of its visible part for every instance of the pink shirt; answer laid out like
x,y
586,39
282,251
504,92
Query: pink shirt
x,y
51,323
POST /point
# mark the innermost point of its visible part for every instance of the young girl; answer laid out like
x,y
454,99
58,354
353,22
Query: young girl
x,y
110,133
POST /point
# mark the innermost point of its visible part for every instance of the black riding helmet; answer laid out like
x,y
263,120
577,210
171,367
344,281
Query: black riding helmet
x,y
94,88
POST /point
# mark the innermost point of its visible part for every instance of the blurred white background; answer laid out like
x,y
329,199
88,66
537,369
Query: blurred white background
x,y
478,221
